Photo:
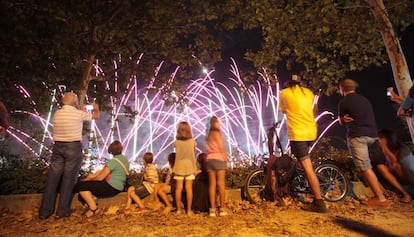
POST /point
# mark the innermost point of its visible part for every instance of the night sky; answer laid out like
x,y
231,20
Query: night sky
x,y
373,81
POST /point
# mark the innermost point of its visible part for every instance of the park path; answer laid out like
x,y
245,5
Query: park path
x,y
345,218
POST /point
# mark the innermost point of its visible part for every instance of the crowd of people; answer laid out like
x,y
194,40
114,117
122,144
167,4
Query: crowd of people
x,y
195,182
207,177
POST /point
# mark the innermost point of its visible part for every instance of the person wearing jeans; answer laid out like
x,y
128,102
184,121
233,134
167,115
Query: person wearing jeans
x,y
66,156
63,170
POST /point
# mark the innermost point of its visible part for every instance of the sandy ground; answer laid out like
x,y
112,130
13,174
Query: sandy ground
x,y
345,218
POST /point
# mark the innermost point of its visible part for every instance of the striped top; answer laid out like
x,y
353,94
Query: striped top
x,y
68,124
150,177
151,174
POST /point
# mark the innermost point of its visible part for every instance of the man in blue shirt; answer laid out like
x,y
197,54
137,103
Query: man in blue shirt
x,y
356,113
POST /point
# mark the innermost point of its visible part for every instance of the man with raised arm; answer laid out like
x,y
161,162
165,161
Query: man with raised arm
x,y
297,102
66,157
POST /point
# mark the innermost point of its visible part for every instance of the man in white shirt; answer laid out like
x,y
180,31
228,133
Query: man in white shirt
x,y
66,157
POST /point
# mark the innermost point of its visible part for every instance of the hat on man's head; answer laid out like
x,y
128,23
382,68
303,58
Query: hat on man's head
x,y
293,81
295,77
348,85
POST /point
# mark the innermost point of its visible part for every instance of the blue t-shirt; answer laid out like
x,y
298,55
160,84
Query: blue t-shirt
x,y
118,175
408,104
360,109
406,160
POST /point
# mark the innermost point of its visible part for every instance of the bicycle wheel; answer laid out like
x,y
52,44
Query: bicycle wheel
x,y
334,185
255,185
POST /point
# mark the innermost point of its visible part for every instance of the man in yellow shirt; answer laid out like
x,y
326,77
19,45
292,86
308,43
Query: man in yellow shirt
x,y
297,102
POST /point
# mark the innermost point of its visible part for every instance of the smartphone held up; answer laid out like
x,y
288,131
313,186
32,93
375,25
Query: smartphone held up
x,y
389,90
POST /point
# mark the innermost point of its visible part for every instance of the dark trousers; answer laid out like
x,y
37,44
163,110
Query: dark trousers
x,y
65,165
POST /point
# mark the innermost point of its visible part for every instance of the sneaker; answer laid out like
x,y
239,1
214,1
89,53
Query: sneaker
x,y
223,212
212,212
377,203
179,212
190,213
60,217
318,205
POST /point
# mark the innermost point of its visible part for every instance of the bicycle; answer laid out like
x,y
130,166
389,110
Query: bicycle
x,y
333,182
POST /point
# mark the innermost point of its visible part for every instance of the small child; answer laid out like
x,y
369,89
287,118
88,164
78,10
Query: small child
x,y
150,180
185,165
163,188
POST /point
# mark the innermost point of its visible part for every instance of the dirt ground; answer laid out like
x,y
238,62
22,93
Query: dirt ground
x,y
345,218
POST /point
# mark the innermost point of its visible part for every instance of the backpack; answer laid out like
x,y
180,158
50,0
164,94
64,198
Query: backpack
x,y
284,167
280,172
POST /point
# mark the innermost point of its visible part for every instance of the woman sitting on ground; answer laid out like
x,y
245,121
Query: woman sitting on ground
x,y
108,182
399,165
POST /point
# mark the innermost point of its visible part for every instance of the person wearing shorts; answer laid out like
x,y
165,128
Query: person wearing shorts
x,y
185,165
216,167
356,113
296,102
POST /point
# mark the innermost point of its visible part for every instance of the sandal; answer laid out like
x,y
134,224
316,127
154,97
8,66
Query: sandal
x,y
142,210
405,198
94,212
124,210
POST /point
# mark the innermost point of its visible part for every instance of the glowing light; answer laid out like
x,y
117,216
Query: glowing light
x,y
205,70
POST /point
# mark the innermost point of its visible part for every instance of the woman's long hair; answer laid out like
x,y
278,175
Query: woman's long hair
x,y
184,131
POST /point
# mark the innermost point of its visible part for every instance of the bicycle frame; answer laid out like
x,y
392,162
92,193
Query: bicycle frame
x,y
333,183
273,131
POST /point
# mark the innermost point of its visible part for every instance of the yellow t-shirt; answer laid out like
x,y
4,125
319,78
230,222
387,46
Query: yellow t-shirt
x,y
296,102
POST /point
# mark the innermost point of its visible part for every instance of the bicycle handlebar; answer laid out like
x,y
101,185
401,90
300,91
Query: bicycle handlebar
x,y
275,125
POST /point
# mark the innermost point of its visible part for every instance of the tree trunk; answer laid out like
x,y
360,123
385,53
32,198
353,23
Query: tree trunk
x,y
399,65
86,78
86,75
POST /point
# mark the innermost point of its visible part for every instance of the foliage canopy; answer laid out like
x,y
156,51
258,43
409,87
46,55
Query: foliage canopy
x,y
74,42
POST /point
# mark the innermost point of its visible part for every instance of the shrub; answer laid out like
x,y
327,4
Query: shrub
x,y
235,178
19,176
332,150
